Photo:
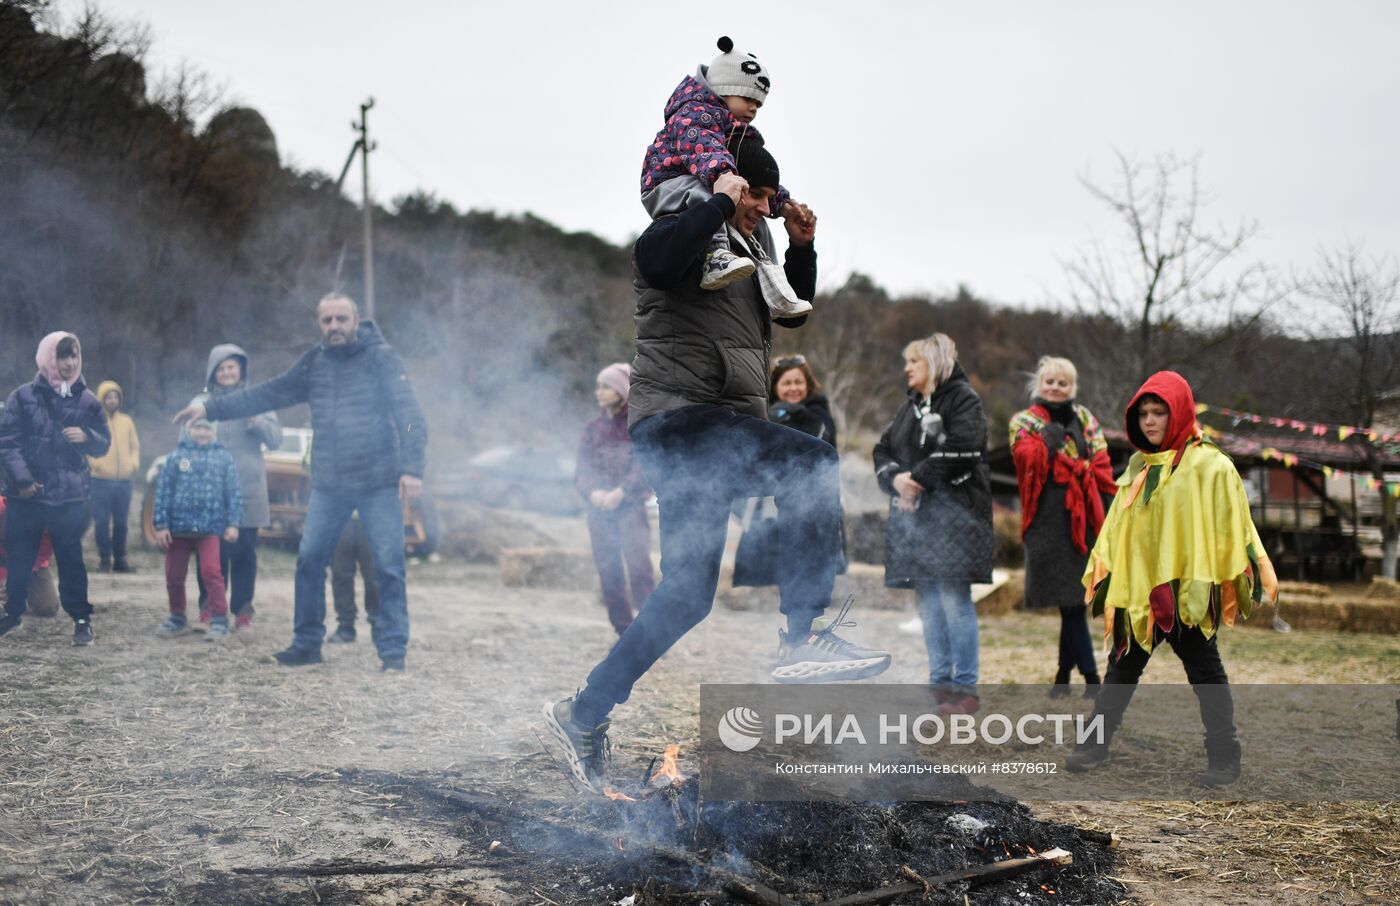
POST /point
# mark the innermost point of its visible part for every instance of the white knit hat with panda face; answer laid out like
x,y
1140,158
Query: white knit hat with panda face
x,y
734,72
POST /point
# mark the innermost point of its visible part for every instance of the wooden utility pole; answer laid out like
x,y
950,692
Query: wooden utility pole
x,y
366,146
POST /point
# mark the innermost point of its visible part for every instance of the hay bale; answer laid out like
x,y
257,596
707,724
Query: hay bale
x,y
1369,615
548,567
1004,596
479,535
864,580
1331,614
1294,591
1383,589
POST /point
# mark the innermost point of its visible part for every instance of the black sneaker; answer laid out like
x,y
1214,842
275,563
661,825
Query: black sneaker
x,y
104,564
121,566
343,635
82,633
1087,756
298,657
391,663
9,624
823,657
586,749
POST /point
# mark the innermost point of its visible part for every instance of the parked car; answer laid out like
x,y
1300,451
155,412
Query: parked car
x,y
518,478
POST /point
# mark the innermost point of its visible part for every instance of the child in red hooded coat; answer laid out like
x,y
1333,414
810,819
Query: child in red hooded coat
x,y
1178,557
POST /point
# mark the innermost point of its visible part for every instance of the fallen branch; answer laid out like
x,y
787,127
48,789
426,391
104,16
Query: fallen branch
x,y
338,868
977,874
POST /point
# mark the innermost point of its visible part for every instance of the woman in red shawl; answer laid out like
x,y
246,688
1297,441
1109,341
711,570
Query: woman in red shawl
x,y
1063,472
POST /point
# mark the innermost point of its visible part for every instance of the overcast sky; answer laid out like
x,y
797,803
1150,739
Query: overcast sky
x,y
939,142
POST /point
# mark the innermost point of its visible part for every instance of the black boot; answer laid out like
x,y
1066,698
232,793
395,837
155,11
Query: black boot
x,y
119,565
104,564
1061,687
1091,685
1222,764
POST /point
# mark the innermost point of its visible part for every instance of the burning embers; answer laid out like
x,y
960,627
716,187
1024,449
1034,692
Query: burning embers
x,y
656,780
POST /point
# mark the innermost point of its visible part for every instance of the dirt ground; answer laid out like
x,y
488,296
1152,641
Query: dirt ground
x,y
148,770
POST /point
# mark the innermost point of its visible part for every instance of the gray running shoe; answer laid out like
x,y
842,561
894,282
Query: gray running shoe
x,y
586,749
824,657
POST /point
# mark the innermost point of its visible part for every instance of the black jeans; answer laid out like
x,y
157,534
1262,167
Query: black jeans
x,y
238,562
1076,646
352,551
699,459
25,523
1199,656
111,504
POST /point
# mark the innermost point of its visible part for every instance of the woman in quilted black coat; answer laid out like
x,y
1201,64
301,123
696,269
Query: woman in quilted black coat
x,y
932,461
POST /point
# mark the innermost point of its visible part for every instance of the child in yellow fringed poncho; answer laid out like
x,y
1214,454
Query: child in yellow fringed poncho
x,y
1178,557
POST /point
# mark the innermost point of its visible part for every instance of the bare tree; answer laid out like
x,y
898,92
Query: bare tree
x,y
1178,288
1363,293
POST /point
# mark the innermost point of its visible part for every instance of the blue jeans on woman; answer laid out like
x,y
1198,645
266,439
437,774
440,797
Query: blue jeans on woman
x,y
950,632
381,518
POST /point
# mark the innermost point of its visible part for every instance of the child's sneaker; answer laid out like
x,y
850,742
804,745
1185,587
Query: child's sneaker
x,y
723,267
218,629
243,622
174,625
778,293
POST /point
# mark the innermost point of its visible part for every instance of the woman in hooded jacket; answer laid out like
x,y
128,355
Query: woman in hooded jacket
x,y
245,439
932,461
1063,472
1177,558
49,428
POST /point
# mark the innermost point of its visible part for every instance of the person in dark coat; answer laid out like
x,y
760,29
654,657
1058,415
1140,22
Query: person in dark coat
x,y
48,430
611,484
932,461
371,446
1064,474
795,400
244,439
352,552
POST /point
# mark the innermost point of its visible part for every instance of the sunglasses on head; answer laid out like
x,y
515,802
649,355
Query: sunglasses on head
x,y
789,361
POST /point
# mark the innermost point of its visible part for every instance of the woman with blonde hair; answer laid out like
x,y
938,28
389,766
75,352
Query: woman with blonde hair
x,y
932,461
1064,474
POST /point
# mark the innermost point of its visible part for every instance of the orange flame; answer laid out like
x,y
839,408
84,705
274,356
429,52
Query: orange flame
x,y
670,766
615,795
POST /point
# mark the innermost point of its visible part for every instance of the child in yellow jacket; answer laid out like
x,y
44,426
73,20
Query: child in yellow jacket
x,y
112,475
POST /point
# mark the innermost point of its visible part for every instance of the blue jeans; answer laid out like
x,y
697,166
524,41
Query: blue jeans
x,y
111,502
950,632
381,516
698,459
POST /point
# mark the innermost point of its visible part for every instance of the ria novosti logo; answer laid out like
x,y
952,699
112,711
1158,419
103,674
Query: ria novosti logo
x,y
740,729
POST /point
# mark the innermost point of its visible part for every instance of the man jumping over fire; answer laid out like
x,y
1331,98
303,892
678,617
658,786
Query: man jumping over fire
x,y
699,400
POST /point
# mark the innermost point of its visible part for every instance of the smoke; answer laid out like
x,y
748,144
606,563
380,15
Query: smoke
x,y
154,241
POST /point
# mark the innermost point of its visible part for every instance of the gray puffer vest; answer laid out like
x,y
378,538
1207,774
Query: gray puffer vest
x,y
701,346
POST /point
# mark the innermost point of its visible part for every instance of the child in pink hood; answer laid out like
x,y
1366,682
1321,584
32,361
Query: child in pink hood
x,y
49,428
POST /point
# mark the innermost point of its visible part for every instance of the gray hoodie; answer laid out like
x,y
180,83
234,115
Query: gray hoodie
x,y
245,438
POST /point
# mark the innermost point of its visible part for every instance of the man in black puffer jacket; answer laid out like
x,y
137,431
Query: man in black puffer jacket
x,y
370,449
